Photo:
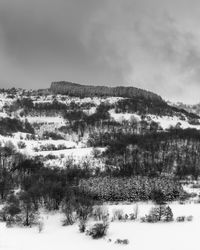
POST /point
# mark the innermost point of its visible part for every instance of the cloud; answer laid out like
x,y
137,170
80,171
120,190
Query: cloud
x,y
152,44
151,50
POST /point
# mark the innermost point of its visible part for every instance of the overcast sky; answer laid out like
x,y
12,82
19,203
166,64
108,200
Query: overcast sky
x,y
151,44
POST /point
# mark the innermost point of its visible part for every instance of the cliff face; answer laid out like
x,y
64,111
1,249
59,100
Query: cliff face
x,y
74,89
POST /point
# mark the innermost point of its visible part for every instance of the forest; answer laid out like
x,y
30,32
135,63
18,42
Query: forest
x,y
74,89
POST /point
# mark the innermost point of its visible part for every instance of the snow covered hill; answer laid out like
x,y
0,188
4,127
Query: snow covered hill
x,y
63,124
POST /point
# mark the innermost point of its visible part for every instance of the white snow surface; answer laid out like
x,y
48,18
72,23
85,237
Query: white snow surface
x,y
75,152
164,121
45,119
167,121
119,117
141,236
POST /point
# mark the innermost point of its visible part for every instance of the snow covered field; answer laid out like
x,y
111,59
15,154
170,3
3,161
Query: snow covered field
x,y
141,236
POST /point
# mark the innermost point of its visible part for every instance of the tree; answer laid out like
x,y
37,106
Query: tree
x,y
6,183
28,209
168,215
11,209
159,198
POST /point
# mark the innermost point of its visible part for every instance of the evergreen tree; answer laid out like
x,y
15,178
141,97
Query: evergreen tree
x,y
168,215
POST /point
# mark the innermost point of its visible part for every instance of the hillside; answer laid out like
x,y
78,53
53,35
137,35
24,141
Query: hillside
x,y
193,108
78,161
59,127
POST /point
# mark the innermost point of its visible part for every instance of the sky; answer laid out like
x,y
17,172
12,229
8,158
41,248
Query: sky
x,y
150,44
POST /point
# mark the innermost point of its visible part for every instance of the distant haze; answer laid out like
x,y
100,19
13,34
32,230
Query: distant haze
x,y
150,44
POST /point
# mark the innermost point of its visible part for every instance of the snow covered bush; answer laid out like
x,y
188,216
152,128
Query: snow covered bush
x,y
180,219
98,230
100,212
132,216
52,135
21,145
184,218
122,242
189,218
118,214
50,157
82,225
61,147
151,218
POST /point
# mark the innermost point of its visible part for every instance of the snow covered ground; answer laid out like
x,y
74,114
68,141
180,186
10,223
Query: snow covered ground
x,y
168,121
141,236
165,122
119,117
45,119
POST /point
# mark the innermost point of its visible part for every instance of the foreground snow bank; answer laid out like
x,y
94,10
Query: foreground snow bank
x,y
142,236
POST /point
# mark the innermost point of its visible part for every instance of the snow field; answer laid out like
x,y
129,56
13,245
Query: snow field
x,y
141,236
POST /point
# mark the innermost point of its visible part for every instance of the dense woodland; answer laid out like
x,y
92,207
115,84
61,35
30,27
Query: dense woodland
x,y
175,153
12,125
74,89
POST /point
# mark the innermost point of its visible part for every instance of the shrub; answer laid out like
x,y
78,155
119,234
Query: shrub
x,y
100,212
98,230
126,217
149,218
21,145
193,195
180,219
50,157
189,218
143,219
40,226
132,216
123,242
118,214
61,147
52,135
82,226
16,220
68,210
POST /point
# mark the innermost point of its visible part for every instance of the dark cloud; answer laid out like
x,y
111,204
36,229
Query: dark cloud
x,y
152,44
